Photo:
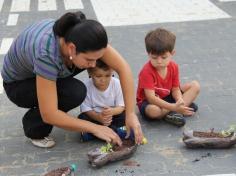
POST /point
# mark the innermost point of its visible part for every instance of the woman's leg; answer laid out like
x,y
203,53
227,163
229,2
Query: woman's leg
x,y
71,93
33,125
23,94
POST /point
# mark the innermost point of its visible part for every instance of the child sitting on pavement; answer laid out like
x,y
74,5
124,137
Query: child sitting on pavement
x,y
159,93
104,102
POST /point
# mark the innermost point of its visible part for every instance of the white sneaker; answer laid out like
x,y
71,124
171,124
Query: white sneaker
x,y
47,142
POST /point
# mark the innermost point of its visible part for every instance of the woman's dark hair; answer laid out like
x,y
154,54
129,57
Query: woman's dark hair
x,y
86,35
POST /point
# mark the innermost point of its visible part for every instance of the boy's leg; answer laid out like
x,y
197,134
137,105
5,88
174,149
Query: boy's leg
x,y
173,117
155,112
83,116
190,92
87,136
118,120
151,112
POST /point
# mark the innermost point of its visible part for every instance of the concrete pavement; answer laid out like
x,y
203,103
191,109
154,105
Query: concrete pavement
x,y
206,50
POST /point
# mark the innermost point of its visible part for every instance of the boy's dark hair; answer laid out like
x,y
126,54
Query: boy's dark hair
x,y
160,41
86,35
102,65
99,64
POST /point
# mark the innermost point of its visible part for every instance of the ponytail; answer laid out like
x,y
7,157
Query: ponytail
x,y
89,35
66,22
86,35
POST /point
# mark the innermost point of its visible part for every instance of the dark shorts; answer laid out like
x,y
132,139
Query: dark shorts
x,y
117,120
144,104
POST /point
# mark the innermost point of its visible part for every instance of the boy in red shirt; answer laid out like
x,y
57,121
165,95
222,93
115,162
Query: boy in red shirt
x,y
159,93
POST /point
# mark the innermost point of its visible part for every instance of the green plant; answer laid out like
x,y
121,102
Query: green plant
x,y
229,132
106,148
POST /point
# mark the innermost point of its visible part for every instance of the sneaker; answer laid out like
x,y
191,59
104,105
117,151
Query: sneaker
x,y
194,106
46,142
175,118
121,131
86,137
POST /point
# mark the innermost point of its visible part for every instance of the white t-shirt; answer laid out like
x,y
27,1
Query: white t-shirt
x,y
96,99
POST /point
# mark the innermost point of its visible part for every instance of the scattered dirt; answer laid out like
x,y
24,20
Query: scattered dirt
x,y
128,169
125,171
168,152
125,144
131,163
202,157
59,172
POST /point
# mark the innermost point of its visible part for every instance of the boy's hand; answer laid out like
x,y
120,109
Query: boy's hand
x,y
107,111
181,108
105,117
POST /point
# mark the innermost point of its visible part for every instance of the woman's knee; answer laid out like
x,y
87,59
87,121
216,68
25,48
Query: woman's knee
x,y
79,91
71,89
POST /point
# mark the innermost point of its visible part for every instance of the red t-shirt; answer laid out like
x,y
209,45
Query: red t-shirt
x,y
150,79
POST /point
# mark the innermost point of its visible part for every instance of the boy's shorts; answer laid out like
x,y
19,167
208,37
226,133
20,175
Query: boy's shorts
x,y
144,104
117,120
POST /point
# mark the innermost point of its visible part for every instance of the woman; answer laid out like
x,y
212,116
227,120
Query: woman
x,y
38,74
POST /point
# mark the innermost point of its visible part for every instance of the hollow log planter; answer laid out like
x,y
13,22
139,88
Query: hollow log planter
x,y
98,158
198,139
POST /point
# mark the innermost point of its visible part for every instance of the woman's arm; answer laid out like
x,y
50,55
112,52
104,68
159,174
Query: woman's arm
x,y
47,99
117,62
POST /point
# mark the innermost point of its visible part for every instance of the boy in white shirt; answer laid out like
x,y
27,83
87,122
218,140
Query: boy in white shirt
x,y
104,102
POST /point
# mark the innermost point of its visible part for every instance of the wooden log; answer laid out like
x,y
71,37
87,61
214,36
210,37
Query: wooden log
x,y
200,139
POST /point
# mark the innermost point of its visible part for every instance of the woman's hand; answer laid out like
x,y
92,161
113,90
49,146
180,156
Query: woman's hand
x,y
132,123
107,134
